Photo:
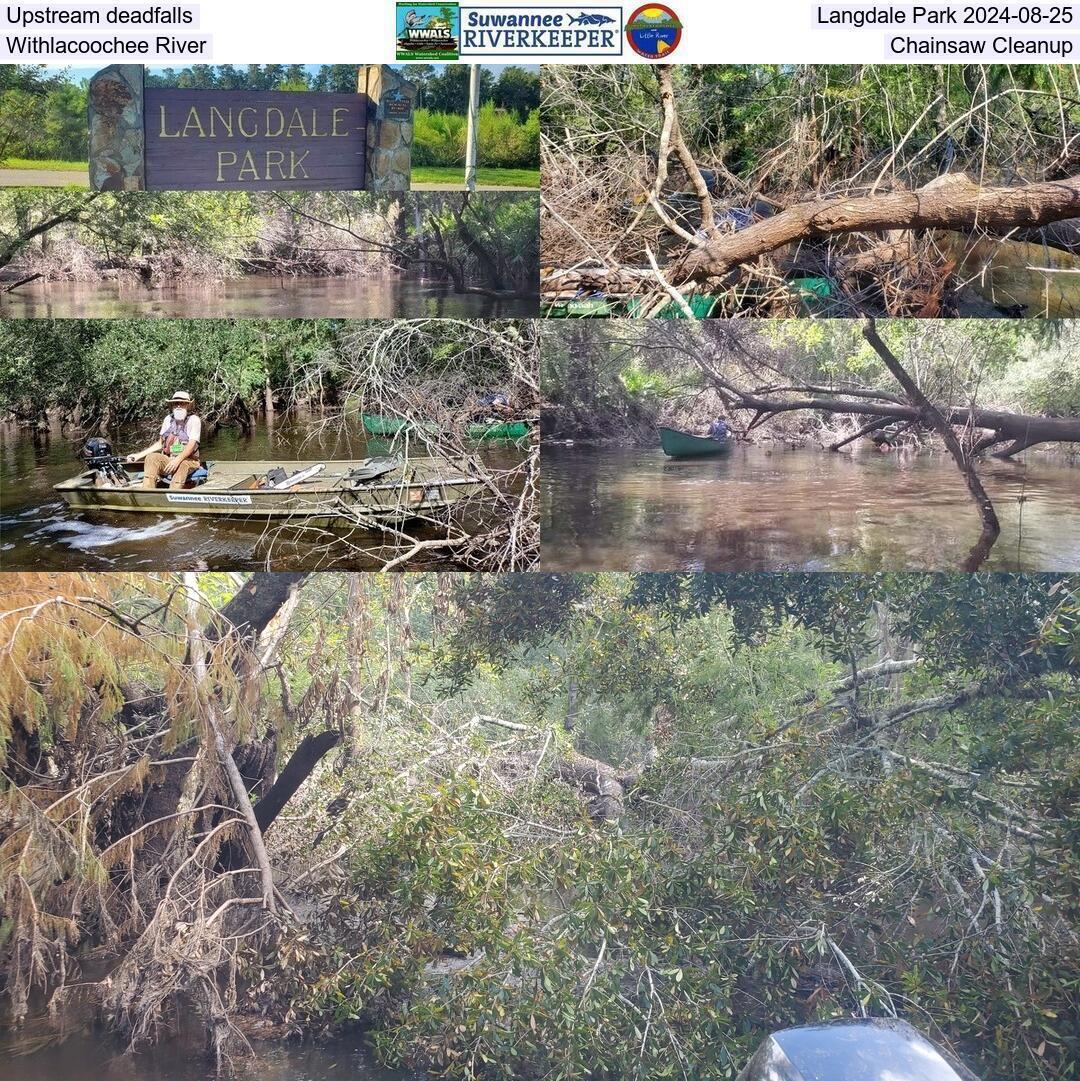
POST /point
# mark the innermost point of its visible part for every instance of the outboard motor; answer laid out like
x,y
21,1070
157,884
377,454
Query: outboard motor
x,y
879,1049
98,455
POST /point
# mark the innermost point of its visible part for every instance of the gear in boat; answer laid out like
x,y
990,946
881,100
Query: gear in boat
x,y
386,487
110,470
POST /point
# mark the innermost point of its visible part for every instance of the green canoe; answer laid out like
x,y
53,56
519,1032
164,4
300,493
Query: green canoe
x,y
683,445
376,424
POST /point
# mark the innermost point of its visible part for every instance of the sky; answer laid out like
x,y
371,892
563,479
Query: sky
x,y
78,74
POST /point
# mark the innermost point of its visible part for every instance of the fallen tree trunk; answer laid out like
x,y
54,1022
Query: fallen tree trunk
x,y
603,784
10,246
949,202
952,202
1021,430
866,429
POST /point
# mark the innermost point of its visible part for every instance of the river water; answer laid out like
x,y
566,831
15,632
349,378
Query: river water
x,y
39,532
780,509
258,296
84,1057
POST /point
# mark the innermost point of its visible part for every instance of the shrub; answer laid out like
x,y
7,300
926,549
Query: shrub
x,y
1045,382
505,142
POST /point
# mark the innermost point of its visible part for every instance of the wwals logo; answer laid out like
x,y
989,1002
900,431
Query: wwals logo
x,y
654,31
428,31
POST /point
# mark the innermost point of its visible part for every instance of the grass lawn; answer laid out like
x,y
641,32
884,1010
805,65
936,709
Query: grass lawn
x,y
59,166
452,174
422,174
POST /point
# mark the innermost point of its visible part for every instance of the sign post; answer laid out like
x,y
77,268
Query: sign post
x,y
117,147
390,137
472,134
166,139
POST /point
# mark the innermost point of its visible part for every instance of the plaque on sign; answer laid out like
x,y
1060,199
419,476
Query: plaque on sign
x,y
396,105
241,140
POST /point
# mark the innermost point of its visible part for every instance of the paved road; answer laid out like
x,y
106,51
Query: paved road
x,y
59,178
42,178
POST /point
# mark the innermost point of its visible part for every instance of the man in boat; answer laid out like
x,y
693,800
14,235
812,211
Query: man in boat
x,y
719,430
176,453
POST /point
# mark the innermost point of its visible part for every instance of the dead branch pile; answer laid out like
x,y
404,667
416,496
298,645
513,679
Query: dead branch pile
x,y
641,205
432,376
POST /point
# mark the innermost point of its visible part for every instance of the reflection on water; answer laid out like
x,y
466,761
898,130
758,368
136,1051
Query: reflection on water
x,y
761,509
38,531
84,1057
257,296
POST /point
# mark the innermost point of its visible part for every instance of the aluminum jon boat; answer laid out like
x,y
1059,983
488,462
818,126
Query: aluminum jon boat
x,y
343,492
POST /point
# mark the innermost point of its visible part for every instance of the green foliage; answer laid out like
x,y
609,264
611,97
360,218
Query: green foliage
x,y
438,138
602,375
43,116
651,386
720,910
838,118
505,142
970,624
1043,380
788,850
116,371
29,96
764,874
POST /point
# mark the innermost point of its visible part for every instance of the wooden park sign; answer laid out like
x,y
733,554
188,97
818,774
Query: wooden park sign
x,y
237,139
164,139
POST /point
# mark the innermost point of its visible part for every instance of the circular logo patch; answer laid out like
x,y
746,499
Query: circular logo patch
x,y
654,31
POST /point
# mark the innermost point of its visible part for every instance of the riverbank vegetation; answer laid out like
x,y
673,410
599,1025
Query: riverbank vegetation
x,y
43,111
606,383
545,825
810,190
975,388
71,379
484,244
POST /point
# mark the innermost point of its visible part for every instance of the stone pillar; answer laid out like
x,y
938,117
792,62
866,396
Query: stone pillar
x,y
117,142
389,128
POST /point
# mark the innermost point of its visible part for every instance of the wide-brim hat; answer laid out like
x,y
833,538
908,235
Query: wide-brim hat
x,y
182,396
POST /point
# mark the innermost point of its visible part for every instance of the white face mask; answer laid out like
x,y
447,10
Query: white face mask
x,y
179,414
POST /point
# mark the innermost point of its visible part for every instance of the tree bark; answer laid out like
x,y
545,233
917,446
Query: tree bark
x,y
948,202
952,202
605,785
991,527
222,750
299,767
250,611
686,159
1024,429
358,627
